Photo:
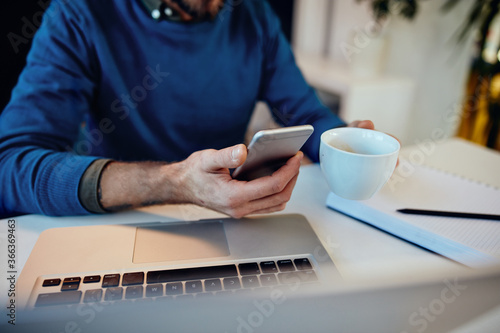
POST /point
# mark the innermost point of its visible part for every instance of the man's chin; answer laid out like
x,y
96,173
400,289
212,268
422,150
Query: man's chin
x,y
204,7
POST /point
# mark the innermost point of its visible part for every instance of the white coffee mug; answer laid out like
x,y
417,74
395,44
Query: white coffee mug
x,y
357,162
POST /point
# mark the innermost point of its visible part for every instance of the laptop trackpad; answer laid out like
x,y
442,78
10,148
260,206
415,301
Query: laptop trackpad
x,y
180,241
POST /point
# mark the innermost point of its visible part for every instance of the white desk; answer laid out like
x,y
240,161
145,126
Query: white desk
x,y
362,253
358,249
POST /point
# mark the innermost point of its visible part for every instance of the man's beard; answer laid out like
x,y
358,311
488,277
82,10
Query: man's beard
x,y
203,8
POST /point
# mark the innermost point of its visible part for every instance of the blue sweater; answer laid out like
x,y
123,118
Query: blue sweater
x,y
104,79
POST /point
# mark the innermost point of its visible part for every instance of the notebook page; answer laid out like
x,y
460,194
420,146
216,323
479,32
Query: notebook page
x,y
436,190
427,188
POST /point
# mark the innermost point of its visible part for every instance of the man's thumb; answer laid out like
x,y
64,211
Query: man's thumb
x,y
229,158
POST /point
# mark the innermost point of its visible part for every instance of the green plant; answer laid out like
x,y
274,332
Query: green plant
x,y
481,14
481,112
384,8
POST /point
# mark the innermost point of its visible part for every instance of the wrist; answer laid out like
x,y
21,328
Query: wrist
x,y
125,185
172,184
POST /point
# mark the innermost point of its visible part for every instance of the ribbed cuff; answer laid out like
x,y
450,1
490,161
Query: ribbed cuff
x,y
56,185
89,186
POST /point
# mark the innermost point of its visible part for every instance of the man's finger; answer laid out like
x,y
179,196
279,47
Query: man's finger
x,y
275,202
368,124
279,197
272,203
270,209
269,185
226,158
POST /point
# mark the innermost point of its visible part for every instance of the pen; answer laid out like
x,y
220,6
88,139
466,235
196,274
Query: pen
x,y
449,214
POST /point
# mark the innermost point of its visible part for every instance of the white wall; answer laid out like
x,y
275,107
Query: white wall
x,y
423,50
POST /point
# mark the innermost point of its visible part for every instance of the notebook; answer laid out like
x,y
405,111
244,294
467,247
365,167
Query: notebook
x,y
472,242
165,261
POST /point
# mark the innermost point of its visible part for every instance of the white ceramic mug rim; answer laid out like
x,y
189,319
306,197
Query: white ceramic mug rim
x,y
323,140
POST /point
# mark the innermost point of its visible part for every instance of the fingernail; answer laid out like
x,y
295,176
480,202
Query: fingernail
x,y
235,154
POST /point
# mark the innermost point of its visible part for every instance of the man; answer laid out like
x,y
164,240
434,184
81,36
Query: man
x,y
125,104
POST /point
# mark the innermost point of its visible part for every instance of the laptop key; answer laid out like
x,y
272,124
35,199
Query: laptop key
x,y
224,293
92,296
302,264
250,281
213,285
286,265
71,283
268,280
262,291
110,280
243,292
268,267
250,268
154,290
51,282
174,288
231,283
297,277
70,286
132,278
113,294
307,276
133,292
196,273
68,297
185,296
289,278
92,279
194,286
143,300
72,280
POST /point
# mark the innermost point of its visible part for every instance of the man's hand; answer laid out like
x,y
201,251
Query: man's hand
x,y
368,124
362,124
203,179
207,182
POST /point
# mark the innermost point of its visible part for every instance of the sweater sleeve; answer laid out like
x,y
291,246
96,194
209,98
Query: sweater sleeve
x,y
291,99
40,164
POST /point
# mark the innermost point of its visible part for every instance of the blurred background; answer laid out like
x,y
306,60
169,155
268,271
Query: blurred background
x,y
421,70
14,46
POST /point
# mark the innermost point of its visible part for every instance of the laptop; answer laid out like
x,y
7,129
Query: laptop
x,y
261,274
148,262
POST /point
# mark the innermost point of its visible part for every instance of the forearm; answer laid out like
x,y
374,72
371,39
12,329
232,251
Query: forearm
x,y
202,179
129,185
40,181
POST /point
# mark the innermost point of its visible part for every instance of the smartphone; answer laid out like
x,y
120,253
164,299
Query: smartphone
x,y
270,149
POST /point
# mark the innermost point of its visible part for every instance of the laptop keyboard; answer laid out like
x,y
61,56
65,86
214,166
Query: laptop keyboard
x,y
169,284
